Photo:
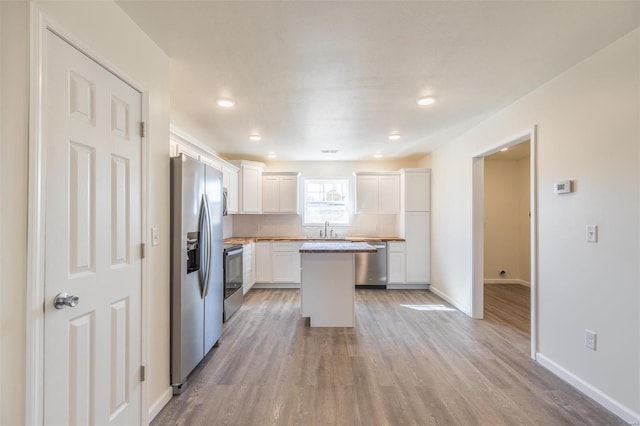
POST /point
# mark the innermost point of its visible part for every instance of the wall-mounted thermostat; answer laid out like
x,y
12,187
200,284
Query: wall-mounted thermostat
x,y
562,187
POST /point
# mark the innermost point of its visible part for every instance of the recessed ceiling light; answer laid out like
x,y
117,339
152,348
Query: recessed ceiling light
x,y
504,149
394,136
225,102
426,100
271,155
378,155
255,137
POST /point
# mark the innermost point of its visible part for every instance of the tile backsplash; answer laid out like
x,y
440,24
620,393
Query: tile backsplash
x,y
289,225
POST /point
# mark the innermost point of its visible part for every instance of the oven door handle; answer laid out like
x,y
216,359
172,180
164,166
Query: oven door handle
x,y
233,252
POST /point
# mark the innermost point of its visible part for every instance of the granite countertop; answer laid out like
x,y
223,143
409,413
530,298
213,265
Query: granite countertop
x,y
336,247
246,240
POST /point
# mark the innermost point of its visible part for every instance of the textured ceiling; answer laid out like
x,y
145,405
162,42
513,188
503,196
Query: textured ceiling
x,y
309,76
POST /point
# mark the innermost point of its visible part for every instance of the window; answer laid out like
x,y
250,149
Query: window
x,y
326,199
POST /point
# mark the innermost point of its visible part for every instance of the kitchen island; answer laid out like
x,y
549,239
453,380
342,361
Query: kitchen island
x,y
327,288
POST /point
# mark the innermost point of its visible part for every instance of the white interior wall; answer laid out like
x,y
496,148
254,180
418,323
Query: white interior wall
x,y
588,130
501,219
425,162
507,241
14,136
109,33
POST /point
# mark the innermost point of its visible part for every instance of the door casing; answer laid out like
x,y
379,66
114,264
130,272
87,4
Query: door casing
x,y
34,365
477,229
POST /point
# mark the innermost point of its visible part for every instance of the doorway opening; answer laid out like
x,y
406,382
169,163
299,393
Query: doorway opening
x,y
507,240
505,235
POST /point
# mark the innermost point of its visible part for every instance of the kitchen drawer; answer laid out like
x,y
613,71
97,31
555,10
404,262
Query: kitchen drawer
x,y
395,247
288,246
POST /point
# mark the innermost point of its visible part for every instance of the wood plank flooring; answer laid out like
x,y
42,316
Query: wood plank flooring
x,y
410,360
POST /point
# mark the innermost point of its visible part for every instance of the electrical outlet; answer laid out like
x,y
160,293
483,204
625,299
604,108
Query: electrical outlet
x,y
590,339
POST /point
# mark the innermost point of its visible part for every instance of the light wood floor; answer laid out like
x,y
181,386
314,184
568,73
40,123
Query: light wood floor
x,y
398,366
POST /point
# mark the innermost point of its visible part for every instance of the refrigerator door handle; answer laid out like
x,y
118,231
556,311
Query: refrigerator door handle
x,y
203,228
209,246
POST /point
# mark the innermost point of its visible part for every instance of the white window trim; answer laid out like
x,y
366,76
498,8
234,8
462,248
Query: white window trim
x,y
350,201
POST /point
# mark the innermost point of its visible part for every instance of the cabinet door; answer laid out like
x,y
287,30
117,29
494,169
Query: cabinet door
x,y
366,194
230,183
283,269
418,253
247,267
270,194
389,194
288,194
285,266
251,189
396,267
232,193
397,262
417,191
263,262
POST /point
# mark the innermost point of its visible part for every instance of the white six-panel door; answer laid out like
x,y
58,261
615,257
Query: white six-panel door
x,y
93,242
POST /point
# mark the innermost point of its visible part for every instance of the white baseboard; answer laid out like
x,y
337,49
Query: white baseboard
x,y
407,286
276,285
597,395
159,404
455,304
507,281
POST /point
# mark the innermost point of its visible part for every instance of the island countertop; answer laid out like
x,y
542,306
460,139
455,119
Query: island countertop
x,y
337,247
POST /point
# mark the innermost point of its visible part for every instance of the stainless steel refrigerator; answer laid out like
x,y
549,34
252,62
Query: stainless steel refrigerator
x,y
196,265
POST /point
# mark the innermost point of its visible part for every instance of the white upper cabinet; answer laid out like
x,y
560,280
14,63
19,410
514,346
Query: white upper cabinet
x,y
377,192
250,183
366,194
270,194
280,192
389,194
230,184
417,186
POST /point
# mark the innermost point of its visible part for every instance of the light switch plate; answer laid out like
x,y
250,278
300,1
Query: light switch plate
x,y
155,236
592,233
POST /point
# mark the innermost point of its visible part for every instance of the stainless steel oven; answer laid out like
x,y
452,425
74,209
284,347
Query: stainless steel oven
x,y
232,279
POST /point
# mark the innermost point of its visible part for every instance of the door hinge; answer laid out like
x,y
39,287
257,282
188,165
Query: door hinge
x,y
143,129
142,250
142,373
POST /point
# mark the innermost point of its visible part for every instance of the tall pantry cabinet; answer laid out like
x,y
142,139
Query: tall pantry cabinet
x,y
415,224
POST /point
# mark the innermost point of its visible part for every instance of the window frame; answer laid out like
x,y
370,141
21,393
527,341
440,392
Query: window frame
x,y
348,202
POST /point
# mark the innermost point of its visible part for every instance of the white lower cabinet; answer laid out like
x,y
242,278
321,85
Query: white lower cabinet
x,y
418,248
397,264
263,262
278,263
248,268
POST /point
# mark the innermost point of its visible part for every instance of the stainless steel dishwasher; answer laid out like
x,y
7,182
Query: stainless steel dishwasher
x,y
371,268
